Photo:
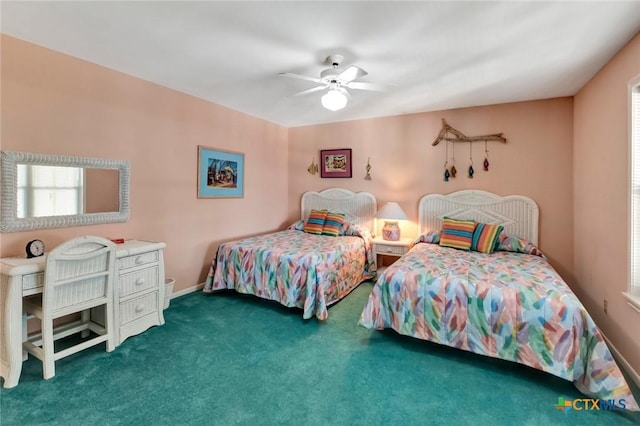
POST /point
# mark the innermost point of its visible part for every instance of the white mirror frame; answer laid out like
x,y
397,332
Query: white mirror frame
x,y
9,220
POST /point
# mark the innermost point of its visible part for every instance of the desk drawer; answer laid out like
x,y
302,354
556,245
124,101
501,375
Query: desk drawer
x,y
139,259
140,280
31,281
138,308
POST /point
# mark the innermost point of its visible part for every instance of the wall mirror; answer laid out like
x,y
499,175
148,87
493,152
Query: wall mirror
x,y
51,191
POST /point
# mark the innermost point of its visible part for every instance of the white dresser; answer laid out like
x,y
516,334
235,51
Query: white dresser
x,y
138,292
139,288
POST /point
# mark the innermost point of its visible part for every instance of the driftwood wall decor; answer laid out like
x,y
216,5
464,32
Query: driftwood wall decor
x,y
449,134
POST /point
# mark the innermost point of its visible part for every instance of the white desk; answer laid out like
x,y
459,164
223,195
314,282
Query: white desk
x,y
138,298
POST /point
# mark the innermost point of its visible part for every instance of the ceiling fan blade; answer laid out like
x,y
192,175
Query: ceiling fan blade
x,y
368,86
351,74
301,77
306,92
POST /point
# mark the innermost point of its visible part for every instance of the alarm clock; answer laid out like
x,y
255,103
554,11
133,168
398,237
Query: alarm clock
x,y
35,248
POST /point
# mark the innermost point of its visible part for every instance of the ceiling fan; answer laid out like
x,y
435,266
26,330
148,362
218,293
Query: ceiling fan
x,y
337,80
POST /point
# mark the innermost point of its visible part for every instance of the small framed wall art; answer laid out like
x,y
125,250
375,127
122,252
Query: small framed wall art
x,y
335,163
220,173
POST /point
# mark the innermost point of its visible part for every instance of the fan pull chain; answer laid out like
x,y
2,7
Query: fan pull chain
x,y
486,157
471,171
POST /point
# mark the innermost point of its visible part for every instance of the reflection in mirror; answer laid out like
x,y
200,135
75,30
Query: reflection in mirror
x,y
101,190
49,191
58,191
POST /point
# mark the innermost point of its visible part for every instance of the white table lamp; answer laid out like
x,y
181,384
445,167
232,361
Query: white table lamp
x,y
391,213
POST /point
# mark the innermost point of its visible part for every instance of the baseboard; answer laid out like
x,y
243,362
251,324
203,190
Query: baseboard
x,y
187,290
631,373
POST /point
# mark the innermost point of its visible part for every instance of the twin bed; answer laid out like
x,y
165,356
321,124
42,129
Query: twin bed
x,y
509,304
300,269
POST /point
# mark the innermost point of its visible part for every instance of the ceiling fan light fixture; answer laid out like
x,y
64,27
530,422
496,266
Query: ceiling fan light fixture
x,y
334,100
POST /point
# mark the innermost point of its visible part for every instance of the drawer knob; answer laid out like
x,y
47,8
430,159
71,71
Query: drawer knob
x,y
139,308
139,260
140,281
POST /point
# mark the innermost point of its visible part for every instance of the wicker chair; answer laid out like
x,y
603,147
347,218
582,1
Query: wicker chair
x,y
79,276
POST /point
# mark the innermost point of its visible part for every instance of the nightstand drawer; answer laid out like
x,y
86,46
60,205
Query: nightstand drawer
x,y
138,307
139,259
143,279
395,250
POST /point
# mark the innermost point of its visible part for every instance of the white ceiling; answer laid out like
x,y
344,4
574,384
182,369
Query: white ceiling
x,y
438,55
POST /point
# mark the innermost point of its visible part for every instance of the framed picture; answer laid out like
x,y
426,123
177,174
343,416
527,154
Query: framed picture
x,y
220,173
335,163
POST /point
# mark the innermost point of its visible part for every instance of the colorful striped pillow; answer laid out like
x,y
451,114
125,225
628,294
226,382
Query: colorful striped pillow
x,y
315,222
485,237
332,224
457,233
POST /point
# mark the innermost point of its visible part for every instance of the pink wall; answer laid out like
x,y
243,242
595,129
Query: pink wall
x,y
601,221
535,161
53,103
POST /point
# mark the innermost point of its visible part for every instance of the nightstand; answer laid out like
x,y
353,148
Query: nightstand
x,y
391,248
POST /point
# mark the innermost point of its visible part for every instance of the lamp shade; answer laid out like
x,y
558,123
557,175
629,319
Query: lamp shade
x,y
334,100
391,211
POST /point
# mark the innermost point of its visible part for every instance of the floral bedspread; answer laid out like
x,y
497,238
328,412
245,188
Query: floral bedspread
x,y
295,268
505,305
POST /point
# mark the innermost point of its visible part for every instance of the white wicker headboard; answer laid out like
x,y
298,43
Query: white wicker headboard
x,y
518,214
359,208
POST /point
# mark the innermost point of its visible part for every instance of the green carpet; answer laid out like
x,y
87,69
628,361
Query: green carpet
x,y
227,359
